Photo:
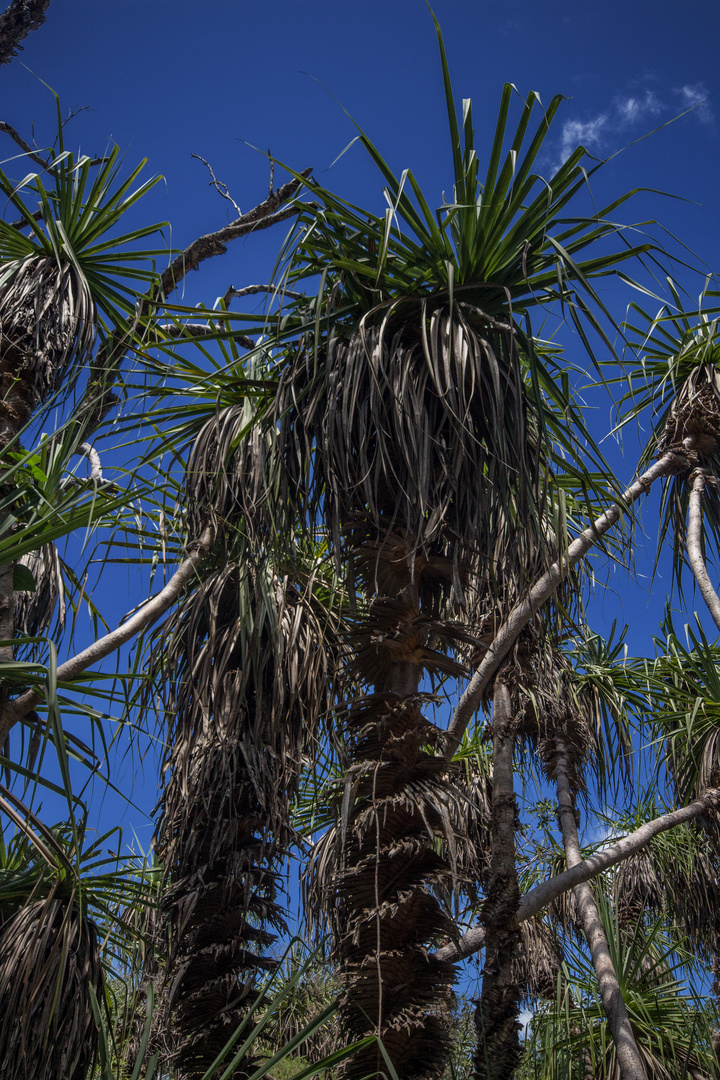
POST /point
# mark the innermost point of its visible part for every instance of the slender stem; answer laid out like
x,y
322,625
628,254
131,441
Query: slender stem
x,y
693,543
628,1055
141,620
543,894
541,592
496,1016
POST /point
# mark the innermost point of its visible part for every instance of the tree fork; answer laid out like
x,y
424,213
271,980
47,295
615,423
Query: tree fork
x,y
543,589
542,895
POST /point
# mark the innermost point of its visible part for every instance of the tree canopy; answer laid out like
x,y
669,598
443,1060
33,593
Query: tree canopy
x,y
369,521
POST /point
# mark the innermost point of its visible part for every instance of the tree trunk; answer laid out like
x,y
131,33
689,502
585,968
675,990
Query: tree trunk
x,y
496,1017
628,1055
693,544
386,867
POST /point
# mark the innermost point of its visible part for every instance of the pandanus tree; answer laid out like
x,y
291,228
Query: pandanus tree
x,y
571,1037
425,431
247,666
67,297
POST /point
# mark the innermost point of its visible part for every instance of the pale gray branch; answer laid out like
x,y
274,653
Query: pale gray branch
x,y
693,544
628,1055
541,592
220,187
250,290
141,620
543,894
201,330
94,458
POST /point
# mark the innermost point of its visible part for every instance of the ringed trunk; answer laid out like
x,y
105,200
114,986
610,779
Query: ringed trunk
x,y
496,1017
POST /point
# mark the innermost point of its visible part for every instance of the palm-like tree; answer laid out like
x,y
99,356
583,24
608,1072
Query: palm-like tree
x,y
420,425
61,930
248,659
672,1029
679,380
66,281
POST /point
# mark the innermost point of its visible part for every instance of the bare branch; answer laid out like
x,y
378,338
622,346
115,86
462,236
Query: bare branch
x,y
16,22
94,458
693,544
8,129
201,330
541,592
250,290
148,614
542,895
263,216
220,187
22,223
630,1061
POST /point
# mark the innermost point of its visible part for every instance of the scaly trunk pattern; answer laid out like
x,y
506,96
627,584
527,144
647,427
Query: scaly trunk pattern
x,y
382,895
496,1017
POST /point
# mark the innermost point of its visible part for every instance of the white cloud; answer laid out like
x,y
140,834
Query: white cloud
x,y
631,110
696,95
524,1018
587,132
600,834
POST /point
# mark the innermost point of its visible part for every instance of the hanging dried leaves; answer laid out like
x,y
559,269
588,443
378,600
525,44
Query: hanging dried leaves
x,y
248,656
49,959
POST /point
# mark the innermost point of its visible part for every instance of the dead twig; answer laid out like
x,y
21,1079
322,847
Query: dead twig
x,y
220,187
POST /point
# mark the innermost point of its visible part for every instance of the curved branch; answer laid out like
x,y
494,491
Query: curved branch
x,y
262,216
543,894
94,459
693,544
141,620
541,592
16,137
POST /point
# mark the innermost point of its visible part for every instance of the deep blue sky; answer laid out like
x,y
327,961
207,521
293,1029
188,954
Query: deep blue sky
x,y
167,79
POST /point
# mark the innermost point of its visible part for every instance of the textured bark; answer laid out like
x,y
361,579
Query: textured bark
x,y
541,592
496,1017
544,894
246,658
16,22
379,869
628,1055
262,216
695,547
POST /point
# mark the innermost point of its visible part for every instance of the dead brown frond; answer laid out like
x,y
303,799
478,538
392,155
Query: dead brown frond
x,y
539,962
34,611
48,960
249,656
417,421
48,324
